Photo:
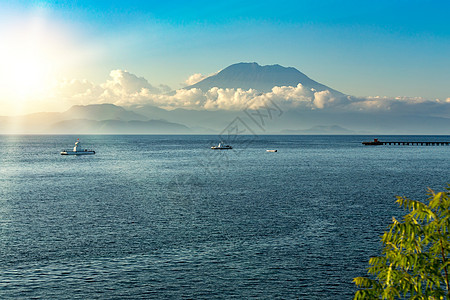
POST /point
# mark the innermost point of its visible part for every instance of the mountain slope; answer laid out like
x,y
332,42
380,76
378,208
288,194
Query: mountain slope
x,y
101,112
262,78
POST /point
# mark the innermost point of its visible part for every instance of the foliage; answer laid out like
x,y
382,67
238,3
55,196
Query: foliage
x,y
414,262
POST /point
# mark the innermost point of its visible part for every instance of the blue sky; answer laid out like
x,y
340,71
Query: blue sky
x,y
362,48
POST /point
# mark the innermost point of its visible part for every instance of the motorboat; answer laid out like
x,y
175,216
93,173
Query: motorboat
x,y
77,150
221,147
275,150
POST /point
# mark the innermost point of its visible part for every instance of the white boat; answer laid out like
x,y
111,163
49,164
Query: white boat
x,y
77,150
272,150
221,147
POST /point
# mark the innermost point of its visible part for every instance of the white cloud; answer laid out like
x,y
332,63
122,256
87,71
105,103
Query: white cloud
x,y
69,88
125,83
164,88
229,99
322,98
385,103
194,78
124,88
191,99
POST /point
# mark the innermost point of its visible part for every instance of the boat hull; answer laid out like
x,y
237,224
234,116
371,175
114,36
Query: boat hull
x,y
221,148
77,152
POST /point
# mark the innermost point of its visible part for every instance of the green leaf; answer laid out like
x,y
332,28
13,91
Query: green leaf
x,y
415,252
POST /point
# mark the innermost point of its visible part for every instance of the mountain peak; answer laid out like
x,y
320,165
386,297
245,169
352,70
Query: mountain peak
x,y
251,75
102,106
254,66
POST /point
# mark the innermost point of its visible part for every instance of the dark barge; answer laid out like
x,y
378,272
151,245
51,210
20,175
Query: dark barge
x,y
376,142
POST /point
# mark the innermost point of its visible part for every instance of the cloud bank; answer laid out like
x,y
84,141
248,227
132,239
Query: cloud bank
x,y
126,89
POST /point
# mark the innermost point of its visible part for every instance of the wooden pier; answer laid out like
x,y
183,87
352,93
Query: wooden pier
x,y
376,142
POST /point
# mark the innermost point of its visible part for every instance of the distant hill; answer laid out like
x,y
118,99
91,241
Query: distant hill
x,y
320,129
262,78
97,118
199,120
118,127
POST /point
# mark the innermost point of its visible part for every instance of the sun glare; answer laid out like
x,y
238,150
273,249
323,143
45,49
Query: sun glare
x,y
29,74
30,57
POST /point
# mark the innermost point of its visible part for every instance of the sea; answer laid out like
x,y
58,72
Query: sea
x,y
166,217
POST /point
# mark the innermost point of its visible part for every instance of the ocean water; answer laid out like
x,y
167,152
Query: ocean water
x,y
166,217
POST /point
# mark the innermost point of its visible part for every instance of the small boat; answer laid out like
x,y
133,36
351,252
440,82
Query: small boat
x,y
77,150
221,147
375,142
275,150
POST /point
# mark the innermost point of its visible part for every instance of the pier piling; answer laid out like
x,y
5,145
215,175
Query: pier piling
x,y
376,142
